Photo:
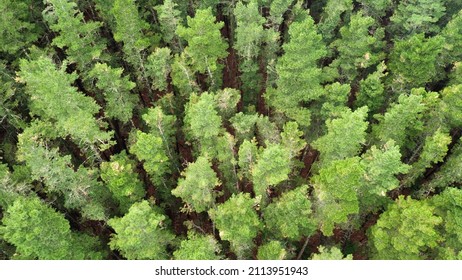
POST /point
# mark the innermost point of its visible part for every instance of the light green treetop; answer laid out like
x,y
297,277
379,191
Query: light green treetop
x,y
197,186
405,230
290,216
122,180
272,250
55,100
205,44
336,187
299,76
120,102
345,136
237,222
198,247
142,233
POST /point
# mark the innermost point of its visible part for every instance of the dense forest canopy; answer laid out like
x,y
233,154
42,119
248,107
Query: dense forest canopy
x,y
226,129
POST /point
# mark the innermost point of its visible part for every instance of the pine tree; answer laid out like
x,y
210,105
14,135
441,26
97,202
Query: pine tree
x,y
38,231
47,87
198,247
79,38
290,216
197,187
405,230
299,75
142,233
120,102
205,44
336,187
121,179
237,222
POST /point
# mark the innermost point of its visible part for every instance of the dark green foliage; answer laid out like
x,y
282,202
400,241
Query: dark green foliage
x,y
417,16
18,29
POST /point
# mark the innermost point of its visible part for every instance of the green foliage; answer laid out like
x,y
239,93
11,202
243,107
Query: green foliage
x,y
169,20
205,45
299,77
78,37
449,174
267,131
142,233
372,90
38,231
158,68
116,91
129,30
197,187
413,61
357,48
226,102
332,253
405,230
79,188
290,216
402,121
381,167
417,16
345,136
149,148
277,10
332,17
249,30
291,139
434,150
244,125
452,105
449,206
202,119
237,222
183,77
272,250
47,87
18,29
334,99
272,167
121,179
336,187
452,34
198,247
248,154
376,8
